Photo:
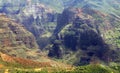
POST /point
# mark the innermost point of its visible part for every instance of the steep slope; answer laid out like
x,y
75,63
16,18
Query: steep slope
x,y
106,6
38,18
79,37
18,47
107,22
29,10
15,39
95,19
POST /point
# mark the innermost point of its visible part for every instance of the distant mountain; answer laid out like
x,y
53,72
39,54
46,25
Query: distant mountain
x,y
108,6
58,5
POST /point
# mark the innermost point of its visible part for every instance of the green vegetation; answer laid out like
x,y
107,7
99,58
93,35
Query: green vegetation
x,y
92,68
27,71
72,37
113,37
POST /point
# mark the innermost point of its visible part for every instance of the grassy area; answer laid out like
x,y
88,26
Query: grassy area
x,y
99,68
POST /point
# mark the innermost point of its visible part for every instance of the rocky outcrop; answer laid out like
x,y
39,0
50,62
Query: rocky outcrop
x,y
34,18
14,38
11,31
18,46
89,16
78,35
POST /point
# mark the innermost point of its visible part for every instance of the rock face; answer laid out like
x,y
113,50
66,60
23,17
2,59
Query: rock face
x,y
78,37
14,38
40,20
34,18
18,46
89,16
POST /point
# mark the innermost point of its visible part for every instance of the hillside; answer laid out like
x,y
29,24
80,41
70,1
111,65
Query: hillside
x,y
15,39
17,62
43,18
18,48
76,32
9,64
81,37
